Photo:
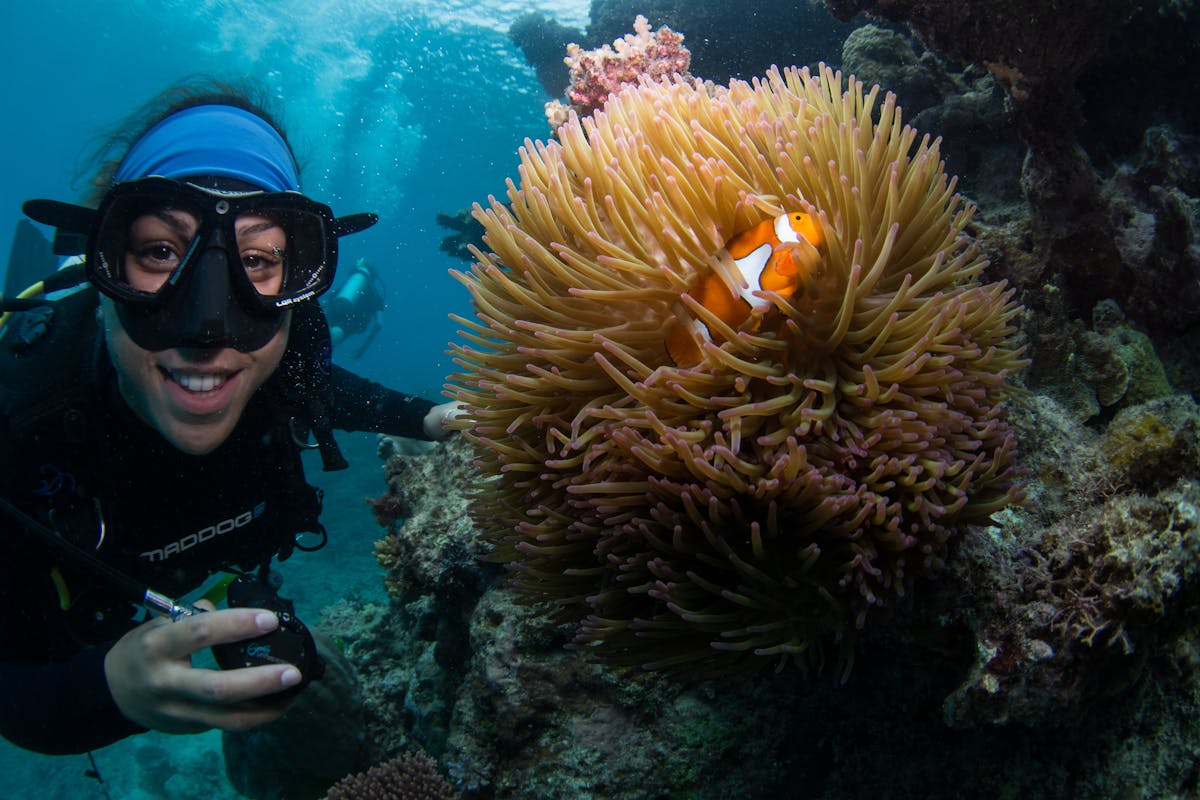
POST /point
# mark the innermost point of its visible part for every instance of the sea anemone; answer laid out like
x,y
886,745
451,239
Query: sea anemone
x,y
785,482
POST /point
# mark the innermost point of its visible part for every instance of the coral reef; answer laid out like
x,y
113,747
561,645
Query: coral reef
x,y
1110,194
1107,366
536,720
1151,445
434,578
964,106
1097,600
543,41
1161,38
1153,204
1136,239
412,776
799,479
441,557
918,78
1036,50
596,74
1056,657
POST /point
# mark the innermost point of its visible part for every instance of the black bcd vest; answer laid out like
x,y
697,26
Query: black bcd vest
x,y
74,456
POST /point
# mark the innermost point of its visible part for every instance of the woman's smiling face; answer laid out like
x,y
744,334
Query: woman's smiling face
x,y
194,397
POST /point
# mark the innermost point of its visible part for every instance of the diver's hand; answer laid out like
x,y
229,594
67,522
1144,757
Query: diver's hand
x,y
437,418
154,684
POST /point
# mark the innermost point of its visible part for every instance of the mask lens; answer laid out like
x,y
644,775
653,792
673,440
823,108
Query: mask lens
x,y
283,251
262,243
143,242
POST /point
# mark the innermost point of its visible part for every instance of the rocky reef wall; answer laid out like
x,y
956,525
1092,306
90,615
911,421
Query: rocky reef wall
x,y
1057,653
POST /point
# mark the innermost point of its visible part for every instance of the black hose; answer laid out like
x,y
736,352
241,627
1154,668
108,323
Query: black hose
x,y
133,590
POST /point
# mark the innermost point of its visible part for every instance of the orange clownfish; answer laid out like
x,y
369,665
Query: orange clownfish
x,y
776,255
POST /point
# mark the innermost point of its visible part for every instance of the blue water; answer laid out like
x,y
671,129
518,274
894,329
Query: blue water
x,y
400,107
403,108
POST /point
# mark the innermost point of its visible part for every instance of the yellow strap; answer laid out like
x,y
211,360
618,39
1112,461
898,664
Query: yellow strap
x,y
36,289
64,594
216,594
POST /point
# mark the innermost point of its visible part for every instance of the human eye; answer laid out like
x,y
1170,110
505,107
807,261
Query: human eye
x,y
264,268
262,244
149,264
156,246
260,262
157,256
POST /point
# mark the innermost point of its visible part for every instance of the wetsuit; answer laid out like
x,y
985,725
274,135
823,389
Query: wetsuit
x,y
169,519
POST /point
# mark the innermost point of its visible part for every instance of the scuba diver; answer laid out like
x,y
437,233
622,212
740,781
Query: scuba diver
x,y
152,417
356,307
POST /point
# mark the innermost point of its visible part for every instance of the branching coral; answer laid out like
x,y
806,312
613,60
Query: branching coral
x,y
595,74
794,482
412,776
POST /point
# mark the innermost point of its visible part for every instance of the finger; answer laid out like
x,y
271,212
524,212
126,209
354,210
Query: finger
x,y
230,687
243,719
178,640
196,717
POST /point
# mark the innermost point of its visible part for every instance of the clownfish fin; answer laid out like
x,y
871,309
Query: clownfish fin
x,y
684,340
790,267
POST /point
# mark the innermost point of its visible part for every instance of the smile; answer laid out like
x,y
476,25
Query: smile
x,y
197,383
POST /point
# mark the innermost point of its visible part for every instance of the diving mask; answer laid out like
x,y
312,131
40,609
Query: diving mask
x,y
191,266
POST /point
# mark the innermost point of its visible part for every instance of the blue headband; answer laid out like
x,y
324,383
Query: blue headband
x,y
219,140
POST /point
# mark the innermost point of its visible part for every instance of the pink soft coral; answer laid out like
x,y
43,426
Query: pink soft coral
x,y
595,74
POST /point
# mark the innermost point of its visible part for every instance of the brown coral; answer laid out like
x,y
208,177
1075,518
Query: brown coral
x,y
818,459
412,776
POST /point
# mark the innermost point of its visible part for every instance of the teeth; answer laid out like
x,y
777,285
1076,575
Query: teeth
x,y
198,383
